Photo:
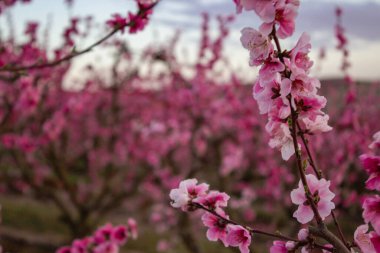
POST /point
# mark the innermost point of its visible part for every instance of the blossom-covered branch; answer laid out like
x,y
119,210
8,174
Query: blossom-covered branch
x,y
106,239
369,242
190,196
135,22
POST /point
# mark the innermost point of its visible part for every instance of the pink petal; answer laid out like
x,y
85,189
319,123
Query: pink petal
x,y
304,214
298,196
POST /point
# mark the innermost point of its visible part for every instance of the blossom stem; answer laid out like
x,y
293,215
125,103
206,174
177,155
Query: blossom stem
x,y
277,42
305,142
293,130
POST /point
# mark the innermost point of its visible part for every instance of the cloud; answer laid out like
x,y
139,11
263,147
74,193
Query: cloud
x,y
317,17
361,18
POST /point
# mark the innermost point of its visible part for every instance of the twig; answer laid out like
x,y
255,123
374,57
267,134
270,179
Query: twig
x,y
251,230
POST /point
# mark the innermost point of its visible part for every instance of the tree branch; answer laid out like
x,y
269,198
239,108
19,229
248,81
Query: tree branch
x,y
78,53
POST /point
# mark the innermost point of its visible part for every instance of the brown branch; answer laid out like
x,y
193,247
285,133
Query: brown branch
x,y
324,233
305,142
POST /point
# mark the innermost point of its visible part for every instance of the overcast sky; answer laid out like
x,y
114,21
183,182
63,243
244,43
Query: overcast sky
x,y
361,19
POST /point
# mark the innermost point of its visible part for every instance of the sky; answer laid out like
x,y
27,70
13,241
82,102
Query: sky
x,y
361,19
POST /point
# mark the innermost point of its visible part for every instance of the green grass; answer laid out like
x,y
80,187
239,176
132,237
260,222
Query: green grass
x,y
33,216
42,219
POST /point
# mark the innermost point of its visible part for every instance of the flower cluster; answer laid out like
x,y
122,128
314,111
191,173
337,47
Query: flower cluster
x,y
187,191
322,197
106,239
136,22
273,12
8,3
291,246
342,39
71,31
370,242
342,46
371,164
284,83
190,196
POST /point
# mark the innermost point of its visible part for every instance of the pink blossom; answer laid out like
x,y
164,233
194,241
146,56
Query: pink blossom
x,y
132,228
373,182
103,233
26,144
285,15
303,234
107,247
371,164
258,45
265,92
81,245
217,228
213,199
264,8
286,20
371,211
119,235
233,157
239,6
163,246
238,236
29,98
31,30
278,247
375,239
318,125
322,197
65,249
270,69
117,22
281,139
188,190
290,245
9,140
54,127
299,54
327,246
363,240
376,141
106,239
137,22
